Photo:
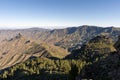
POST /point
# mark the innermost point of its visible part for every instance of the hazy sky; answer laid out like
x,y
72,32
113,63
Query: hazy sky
x,y
36,13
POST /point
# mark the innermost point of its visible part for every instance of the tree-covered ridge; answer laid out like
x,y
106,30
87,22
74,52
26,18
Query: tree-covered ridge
x,y
43,69
96,49
107,68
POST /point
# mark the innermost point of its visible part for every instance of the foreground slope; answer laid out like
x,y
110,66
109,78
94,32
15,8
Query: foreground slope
x,y
107,68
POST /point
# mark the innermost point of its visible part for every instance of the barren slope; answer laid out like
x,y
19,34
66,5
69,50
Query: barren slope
x,y
19,49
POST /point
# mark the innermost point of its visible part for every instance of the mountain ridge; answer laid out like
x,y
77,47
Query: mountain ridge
x,y
98,59
19,49
68,38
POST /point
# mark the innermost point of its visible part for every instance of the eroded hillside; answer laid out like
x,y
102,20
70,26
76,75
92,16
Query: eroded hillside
x,y
19,49
96,60
68,38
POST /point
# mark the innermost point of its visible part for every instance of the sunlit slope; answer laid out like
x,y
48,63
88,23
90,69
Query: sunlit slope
x,y
19,49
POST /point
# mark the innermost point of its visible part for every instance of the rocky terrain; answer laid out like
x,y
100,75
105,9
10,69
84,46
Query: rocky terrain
x,y
97,60
68,38
19,49
83,52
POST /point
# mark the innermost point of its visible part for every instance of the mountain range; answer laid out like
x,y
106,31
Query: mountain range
x,y
84,44
67,38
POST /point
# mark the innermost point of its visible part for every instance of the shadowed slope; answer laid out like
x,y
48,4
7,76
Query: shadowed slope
x,y
97,48
104,69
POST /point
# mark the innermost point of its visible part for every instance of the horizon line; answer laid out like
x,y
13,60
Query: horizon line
x,y
48,27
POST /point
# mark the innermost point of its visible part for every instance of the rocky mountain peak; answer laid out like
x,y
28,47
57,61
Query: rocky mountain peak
x,y
16,37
